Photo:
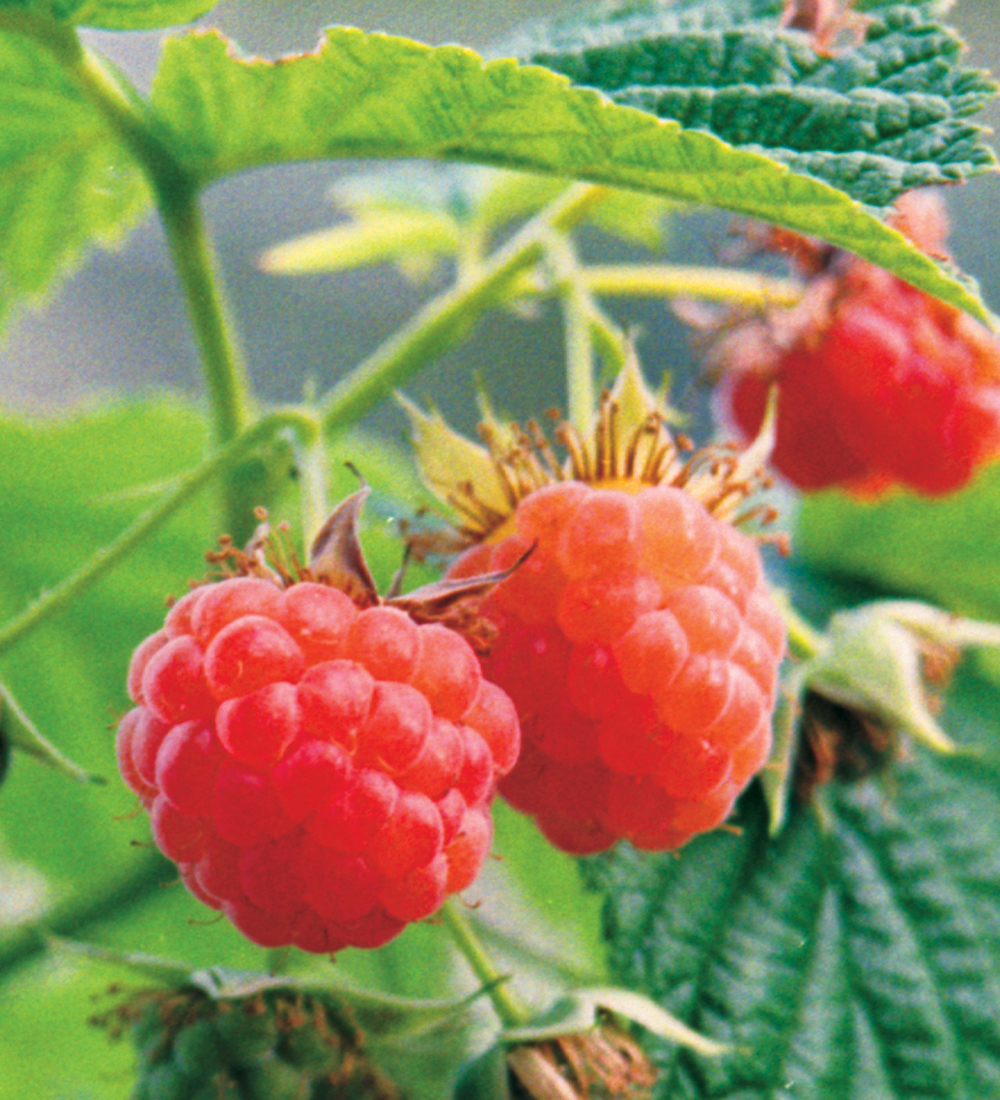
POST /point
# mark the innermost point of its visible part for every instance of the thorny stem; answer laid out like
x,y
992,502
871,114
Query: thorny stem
x,y
445,318
68,589
576,303
510,1010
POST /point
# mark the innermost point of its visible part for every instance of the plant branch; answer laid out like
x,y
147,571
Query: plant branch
x,y
510,1010
444,319
681,281
176,193
108,556
86,907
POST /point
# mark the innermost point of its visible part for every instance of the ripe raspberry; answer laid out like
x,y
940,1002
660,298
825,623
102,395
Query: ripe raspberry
x,y
638,640
879,384
320,769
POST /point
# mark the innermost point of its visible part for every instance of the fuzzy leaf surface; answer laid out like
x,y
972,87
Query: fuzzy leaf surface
x,y
874,118
66,182
372,95
856,957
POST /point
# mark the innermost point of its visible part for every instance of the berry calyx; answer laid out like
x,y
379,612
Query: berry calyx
x,y
638,641
880,385
318,760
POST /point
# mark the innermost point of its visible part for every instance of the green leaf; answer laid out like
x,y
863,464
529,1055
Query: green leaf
x,y
130,15
855,957
65,180
884,117
369,95
122,15
946,549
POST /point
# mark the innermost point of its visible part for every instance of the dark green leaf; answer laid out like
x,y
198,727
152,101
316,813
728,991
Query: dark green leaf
x,y
886,116
65,180
856,956
367,95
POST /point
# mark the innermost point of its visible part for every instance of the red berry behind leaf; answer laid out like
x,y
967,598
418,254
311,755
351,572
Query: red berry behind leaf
x,y
879,385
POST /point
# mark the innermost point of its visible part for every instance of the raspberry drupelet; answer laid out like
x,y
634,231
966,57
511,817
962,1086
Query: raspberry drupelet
x,y
880,384
317,760
638,640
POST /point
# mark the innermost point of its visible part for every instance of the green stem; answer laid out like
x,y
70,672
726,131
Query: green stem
x,y
108,556
680,281
312,463
510,1010
443,320
176,192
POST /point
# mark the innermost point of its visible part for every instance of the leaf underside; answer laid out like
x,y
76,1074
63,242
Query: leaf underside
x,y
873,119
855,958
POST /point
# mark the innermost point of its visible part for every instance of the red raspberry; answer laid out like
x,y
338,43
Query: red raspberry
x,y
879,384
636,635
321,771
652,670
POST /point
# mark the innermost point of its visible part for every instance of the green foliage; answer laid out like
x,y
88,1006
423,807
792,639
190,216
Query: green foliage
x,y
946,549
367,95
876,120
66,180
854,957
124,15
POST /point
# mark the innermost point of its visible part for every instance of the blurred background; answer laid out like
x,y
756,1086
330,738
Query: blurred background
x,y
118,326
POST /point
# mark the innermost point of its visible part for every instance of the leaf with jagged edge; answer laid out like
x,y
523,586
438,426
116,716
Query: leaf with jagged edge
x,y
66,182
373,95
874,119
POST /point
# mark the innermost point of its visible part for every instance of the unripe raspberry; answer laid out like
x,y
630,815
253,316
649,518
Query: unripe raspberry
x,y
638,640
273,1045
879,384
319,768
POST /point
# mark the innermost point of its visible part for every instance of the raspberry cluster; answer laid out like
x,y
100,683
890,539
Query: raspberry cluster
x,y
264,1047
321,773
641,647
879,384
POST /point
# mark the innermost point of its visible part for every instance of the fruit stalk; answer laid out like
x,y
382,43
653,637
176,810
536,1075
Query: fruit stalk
x,y
506,1004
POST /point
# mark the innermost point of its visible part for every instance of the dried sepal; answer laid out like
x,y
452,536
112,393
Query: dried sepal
x,y
336,557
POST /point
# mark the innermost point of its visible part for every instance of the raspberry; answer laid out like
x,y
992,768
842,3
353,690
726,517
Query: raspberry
x,y
320,766
638,641
271,1045
879,384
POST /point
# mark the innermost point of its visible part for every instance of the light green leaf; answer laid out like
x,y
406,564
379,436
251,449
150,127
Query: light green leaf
x,y
114,15
946,549
369,95
876,119
65,180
